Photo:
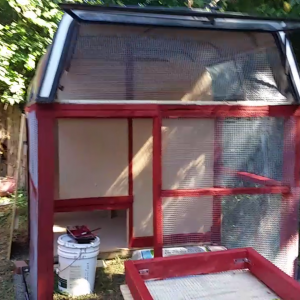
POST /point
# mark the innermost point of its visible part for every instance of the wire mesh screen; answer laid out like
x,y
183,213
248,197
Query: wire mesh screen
x,y
33,146
254,221
187,220
218,286
250,147
145,63
187,153
228,153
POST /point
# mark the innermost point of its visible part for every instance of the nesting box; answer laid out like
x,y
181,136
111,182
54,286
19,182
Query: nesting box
x,y
184,123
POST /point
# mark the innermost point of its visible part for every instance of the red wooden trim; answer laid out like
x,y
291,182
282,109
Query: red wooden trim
x,y
212,262
225,191
82,107
30,108
209,111
151,110
135,283
105,114
108,203
130,181
253,177
28,183
92,208
258,179
217,202
45,217
130,157
297,152
142,242
192,264
157,185
283,285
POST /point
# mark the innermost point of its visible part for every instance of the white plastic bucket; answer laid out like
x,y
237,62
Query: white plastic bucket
x,y
77,265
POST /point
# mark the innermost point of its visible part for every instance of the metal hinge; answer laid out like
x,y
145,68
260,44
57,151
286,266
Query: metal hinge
x,y
144,272
242,260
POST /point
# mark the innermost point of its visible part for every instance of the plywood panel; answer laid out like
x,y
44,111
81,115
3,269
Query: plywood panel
x,y
142,178
188,153
93,158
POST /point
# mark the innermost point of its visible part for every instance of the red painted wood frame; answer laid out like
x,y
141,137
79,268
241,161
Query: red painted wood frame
x,y
136,272
46,115
157,186
43,289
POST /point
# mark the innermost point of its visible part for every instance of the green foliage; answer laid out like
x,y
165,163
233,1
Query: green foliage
x,y
27,28
271,8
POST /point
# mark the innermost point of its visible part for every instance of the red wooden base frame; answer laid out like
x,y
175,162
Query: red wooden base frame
x,y
137,272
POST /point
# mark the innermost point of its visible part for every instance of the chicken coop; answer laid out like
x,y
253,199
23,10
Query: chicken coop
x,y
165,127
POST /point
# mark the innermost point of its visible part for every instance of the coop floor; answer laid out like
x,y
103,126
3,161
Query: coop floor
x,y
112,233
223,286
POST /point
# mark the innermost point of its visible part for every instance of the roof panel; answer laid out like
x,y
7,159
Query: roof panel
x,y
178,17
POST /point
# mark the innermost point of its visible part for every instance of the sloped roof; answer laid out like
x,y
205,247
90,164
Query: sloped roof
x,y
53,66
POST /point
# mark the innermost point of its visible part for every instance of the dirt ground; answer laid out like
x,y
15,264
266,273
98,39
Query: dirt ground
x,y
6,267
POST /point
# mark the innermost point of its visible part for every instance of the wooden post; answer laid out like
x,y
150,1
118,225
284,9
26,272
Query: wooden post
x,y
157,187
42,210
17,175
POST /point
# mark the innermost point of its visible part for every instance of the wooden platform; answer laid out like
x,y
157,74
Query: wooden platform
x,y
233,285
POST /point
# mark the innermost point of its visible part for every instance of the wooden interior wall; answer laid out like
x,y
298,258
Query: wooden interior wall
x,y
93,158
142,178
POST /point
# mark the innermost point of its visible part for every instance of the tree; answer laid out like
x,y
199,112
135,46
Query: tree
x,y
26,29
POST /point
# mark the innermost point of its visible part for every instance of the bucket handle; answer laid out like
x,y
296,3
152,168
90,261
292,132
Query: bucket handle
x,y
79,256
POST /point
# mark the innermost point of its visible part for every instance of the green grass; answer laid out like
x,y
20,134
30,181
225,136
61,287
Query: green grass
x,y
107,283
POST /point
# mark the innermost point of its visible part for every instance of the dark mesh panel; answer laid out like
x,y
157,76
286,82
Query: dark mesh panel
x,y
252,220
251,145
163,64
